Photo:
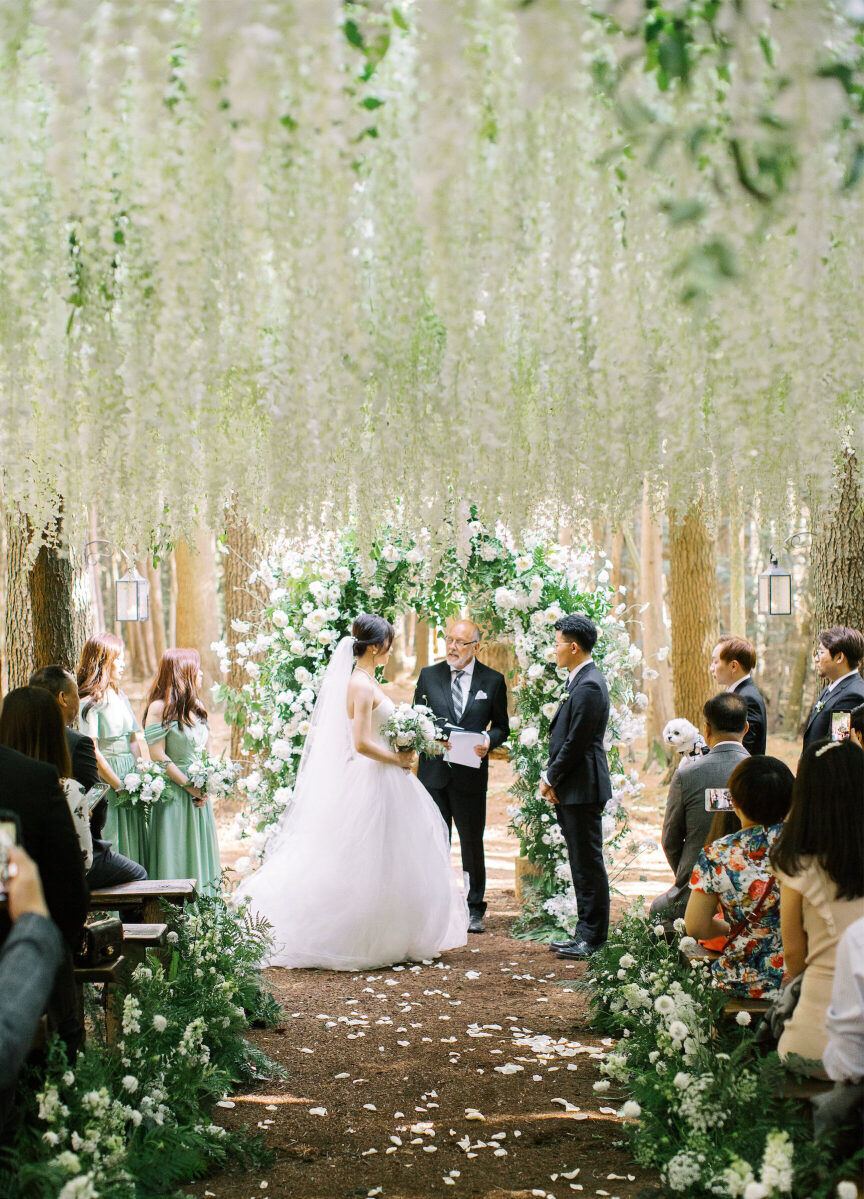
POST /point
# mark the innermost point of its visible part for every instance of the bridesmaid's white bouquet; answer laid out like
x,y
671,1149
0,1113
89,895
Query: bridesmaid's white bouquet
x,y
412,727
142,787
214,777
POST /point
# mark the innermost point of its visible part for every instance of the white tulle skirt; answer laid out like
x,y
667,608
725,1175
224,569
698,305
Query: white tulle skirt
x,y
361,879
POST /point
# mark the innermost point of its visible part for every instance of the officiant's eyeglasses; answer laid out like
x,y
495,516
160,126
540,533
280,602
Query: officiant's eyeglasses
x,y
457,644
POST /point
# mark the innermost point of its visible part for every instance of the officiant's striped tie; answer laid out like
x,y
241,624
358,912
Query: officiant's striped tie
x,y
456,691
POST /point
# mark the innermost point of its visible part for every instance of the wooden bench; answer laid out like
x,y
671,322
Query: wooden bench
x,y
755,1007
695,955
112,977
138,938
142,902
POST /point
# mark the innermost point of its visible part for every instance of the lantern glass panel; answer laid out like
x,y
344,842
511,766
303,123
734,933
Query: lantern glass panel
x,y
764,601
781,594
132,598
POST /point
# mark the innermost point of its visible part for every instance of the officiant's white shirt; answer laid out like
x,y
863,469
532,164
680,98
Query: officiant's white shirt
x,y
465,681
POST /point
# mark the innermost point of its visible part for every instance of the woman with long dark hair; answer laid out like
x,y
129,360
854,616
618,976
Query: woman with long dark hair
x,y
183,840
106,716
31,722
819,861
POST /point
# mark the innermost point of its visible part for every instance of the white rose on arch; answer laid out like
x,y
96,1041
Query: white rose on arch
x,y
279,619
529,737
282,749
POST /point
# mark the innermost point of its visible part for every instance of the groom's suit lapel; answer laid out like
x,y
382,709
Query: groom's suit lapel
x,y
568,692
830,696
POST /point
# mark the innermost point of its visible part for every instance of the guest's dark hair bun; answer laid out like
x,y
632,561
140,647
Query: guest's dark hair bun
x,y
368,631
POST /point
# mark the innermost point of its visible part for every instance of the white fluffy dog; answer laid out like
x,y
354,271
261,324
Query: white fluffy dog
x,y
681,735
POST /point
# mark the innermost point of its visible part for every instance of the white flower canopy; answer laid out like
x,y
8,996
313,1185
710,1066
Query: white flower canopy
x,y
325,259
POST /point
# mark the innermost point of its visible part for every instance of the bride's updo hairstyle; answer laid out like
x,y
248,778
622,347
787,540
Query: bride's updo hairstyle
x,y
369,631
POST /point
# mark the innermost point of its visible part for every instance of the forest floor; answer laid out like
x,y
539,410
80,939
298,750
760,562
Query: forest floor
x,y
472,1075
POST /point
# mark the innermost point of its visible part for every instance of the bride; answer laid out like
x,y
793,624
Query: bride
x,y
359,874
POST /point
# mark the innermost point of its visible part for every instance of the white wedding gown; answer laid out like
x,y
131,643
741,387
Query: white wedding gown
x,y
360,876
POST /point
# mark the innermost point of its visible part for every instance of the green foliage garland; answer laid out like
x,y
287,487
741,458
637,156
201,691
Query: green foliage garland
x,y
514,593
131,1120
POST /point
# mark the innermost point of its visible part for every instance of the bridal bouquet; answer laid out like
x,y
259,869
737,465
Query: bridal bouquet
x,y
214,777
142,787
412,727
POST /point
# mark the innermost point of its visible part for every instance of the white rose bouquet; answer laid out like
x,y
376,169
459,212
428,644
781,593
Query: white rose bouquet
x,y
142,787
412,727
214,777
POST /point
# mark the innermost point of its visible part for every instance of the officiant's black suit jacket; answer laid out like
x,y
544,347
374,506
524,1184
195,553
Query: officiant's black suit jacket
x,y
756,737
847,695
577,768
485,712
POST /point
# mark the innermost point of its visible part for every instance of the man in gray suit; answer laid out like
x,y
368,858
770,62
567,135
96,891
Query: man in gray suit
x,y
686,821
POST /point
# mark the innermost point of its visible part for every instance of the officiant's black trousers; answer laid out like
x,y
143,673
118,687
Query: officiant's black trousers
x,y
582,826
467,810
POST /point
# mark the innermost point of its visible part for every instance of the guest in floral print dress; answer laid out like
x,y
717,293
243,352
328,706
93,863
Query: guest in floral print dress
x,y
734,876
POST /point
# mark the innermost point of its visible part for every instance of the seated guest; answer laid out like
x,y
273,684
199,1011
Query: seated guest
x,y
28,963
732,664
734,875
686,821
843,1057
819,861
840,653
30,722
857,732
109,869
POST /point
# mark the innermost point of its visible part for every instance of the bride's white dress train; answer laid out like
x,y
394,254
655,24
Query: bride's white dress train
x,y
361,876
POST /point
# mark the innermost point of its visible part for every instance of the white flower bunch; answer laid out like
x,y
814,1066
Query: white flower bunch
x,y
142,786
215,777
412,727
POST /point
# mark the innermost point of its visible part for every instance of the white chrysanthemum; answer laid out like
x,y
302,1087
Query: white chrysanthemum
x,y
631,1110
743,1018
160,1023
664,1005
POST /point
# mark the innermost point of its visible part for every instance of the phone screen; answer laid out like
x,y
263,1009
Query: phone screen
x,y
841,726
718,799
8,834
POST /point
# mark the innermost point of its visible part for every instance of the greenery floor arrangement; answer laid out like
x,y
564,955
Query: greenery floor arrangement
x,y
131,1120
703,1099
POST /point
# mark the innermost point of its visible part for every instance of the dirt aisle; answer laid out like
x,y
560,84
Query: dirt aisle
x,y
387,1068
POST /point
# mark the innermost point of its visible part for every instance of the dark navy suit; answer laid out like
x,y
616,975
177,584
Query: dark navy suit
x,y
848,694
579,774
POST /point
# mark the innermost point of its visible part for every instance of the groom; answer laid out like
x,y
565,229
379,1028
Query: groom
x,y
576,780
467,695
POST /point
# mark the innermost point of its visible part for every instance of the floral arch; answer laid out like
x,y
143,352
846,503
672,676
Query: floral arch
x,y
516,593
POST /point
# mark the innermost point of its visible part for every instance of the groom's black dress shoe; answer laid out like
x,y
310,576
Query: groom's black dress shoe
x,y
555,946
475,923
577,952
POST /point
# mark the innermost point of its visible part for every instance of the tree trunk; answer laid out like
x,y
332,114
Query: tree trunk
x,y
148,638
654,634
694,610
172,600
239,596
19,622
737,578
157,610
197,601
421,644
838,552
58,597
800,667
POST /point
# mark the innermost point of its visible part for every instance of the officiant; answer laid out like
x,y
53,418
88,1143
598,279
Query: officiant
x,y
469,697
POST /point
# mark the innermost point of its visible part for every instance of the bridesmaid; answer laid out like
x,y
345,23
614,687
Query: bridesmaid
x,y
107,717
183,841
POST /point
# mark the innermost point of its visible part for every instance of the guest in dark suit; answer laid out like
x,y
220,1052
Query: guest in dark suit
x,y
465,694
576,780
686,822
838,660
732,664
109,868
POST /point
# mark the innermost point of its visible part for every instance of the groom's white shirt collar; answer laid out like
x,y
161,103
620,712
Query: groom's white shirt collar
x,y
848,675
738,683
571,674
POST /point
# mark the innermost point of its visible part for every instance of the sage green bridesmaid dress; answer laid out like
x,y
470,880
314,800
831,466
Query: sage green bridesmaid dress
x,y
110,723
183,840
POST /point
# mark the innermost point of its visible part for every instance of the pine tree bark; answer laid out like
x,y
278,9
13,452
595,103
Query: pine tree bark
x,y
19,622
838,552
654,634
58,602
694,610
421,644
197,601
157,610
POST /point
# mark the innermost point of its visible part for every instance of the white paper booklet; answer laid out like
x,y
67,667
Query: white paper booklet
x,y
461,751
